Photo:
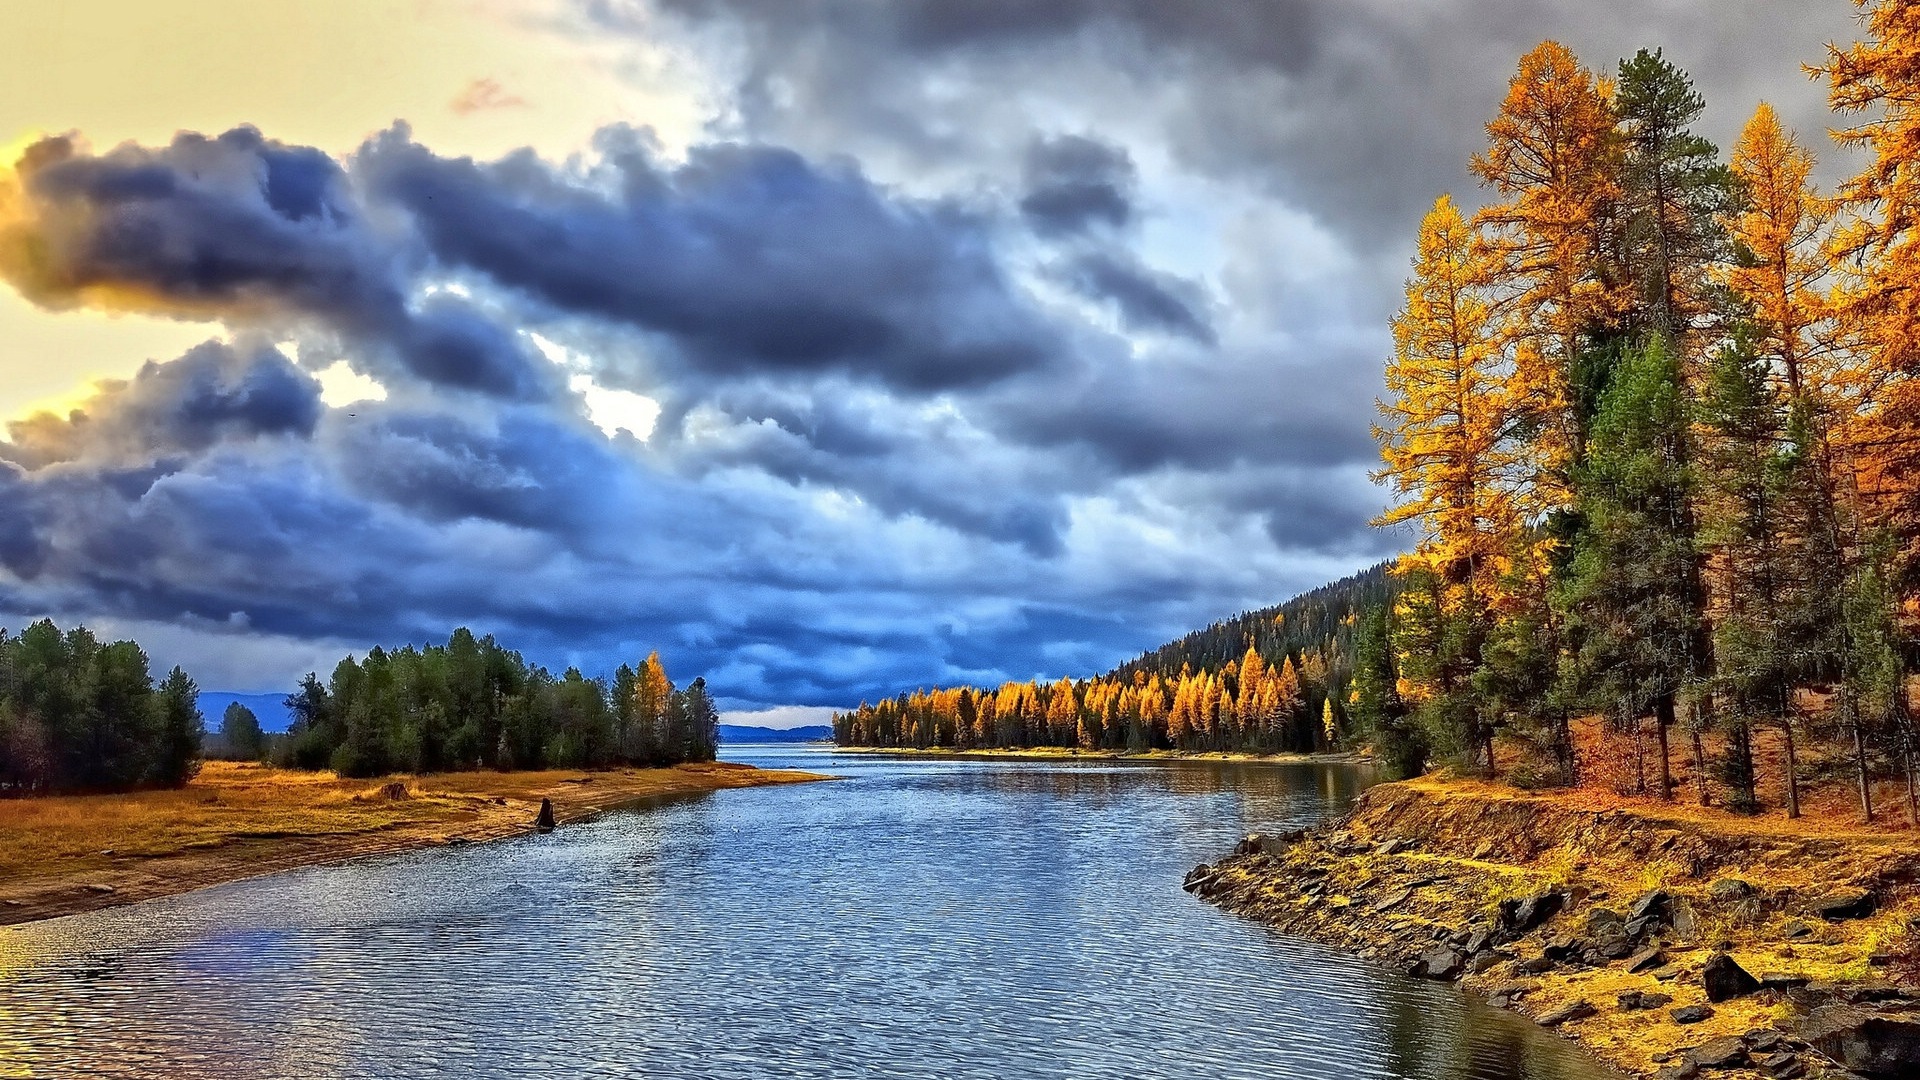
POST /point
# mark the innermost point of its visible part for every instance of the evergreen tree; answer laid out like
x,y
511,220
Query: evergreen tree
x,y
240,730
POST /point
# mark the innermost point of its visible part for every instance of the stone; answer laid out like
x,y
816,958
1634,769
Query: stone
x,y
1652,905
1777,980
1637,1000
1763,1042
1680,917
1691,1014
1846,904
544,822
1729,890
1795,929
1864,1041
1683,1071
1485,962
1563,947
1566,1014
1724,979
1538,965
1781,1066
1442,964
104,890
1393,899
1665,973
1602,921
1476,942
1646,960
1520,916
1614,946
1727,1053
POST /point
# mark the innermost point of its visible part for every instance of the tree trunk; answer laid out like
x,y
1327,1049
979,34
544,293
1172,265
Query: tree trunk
x,y
1860,767
1793,772
1663,719
1700,780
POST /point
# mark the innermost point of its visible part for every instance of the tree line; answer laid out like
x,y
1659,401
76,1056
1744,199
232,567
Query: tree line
x,y
472,704
77,714
1267,681
1654,413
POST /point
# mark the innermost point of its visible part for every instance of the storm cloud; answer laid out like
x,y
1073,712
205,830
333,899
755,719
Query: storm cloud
x,y
975,339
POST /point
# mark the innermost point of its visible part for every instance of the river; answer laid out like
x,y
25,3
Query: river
x,y
919,920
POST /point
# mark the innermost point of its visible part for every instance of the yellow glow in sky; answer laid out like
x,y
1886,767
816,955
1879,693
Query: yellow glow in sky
x,y
472,78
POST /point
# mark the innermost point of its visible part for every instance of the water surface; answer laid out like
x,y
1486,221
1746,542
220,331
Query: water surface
x,y
922,920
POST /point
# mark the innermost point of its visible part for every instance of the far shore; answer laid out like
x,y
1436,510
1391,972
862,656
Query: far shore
x,y
1065,753
65,854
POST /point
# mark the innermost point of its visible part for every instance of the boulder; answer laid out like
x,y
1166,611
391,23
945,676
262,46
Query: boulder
x,y
1613,946
1691,1014
1603,921
1781,1066
1578,1010
1646,960
1636,1000
1680,917
1846,904
1864,1041
1650,906
1729,890
1520,916
1724,979
1564,948
1795,929
1727,1053
544,822
1442,964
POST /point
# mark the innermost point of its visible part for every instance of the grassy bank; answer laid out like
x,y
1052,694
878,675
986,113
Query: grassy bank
x,y
1427,877
64,854
1062,753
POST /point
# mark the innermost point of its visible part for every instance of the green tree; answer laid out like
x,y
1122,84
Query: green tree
x,y
240,730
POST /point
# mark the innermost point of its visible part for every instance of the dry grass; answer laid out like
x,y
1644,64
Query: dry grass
x,y
69,853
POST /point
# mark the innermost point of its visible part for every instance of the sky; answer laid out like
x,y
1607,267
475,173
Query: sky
x,y
829,347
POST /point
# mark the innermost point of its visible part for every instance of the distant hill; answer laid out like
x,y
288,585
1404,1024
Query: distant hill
x,y
269,709
740,733
1318,623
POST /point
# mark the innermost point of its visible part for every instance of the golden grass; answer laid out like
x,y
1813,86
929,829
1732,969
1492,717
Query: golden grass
x,y
64,853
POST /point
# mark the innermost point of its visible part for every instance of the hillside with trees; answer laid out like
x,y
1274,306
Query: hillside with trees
x,y
1266,681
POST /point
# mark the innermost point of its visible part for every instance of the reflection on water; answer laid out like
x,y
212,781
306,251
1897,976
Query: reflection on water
x,y
940,920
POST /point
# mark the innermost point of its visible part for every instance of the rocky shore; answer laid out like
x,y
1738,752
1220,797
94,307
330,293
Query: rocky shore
x,y
1668,946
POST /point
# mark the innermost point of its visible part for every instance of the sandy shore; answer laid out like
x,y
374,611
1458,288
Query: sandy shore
x,y
66,854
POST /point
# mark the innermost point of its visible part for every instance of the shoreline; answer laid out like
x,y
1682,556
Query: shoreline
x,y
68,854
1060,753
1664,942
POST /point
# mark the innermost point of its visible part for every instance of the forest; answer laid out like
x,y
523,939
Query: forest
x,y
1652,411
473,704
1268,681
77,714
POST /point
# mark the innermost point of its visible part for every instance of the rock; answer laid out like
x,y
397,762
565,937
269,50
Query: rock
x,y
1520,916
1795,929
1636,1000
1846,904
1564,948
1646,960
1268,843
1680,917
544,822
1781,1066
104,890
458,841
1724,979
1565,1014
1477,942
1393,899
1763,1042
1485,962
1727,1053
1395,847
1484,849
1539,965
1776,980
1666,973
1651,906
1729,890
1442,964
1602,921
1691,1014
1614,946
1865,1042
1682,1071
1500,1001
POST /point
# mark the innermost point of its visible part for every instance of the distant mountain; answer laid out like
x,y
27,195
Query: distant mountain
x,y
269,709
739,733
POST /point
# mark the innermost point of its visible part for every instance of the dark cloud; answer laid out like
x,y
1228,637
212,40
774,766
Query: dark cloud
x,y
747,260
241,229
1147,299
1074,182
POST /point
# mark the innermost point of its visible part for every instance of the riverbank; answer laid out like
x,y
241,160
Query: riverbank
x,y
1064,753
61,855
1664,939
